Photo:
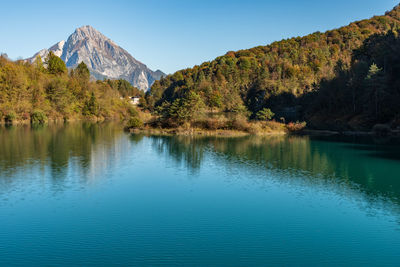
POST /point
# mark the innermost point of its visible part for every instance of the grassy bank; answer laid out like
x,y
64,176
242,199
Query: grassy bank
x,y
209,125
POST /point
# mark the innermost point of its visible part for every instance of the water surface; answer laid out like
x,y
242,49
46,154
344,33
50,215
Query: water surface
x,y
87,194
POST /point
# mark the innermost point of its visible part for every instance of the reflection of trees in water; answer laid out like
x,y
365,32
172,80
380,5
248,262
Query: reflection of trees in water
x,y
189,151
88,148
55,146
333,161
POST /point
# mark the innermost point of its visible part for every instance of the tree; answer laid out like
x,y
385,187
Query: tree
x,y
375,85
59,95
215,100
82,71
55,65
39,63
265,114
373,71
91,106
187,108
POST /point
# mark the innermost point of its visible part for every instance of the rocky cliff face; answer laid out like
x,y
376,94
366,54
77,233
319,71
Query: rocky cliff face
x,y
104,58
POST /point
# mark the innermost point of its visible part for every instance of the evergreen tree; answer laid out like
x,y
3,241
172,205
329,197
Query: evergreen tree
x,y
55,65
82,71
265,114
91,106
375,85
39,63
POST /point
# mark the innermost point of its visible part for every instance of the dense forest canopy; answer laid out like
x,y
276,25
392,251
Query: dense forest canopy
x,y
348,75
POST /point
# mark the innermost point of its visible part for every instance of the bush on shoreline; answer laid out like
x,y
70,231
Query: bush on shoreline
x,y
38,117
134,123
10,117
295,127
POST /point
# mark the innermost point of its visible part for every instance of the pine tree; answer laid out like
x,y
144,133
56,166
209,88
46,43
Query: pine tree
x,y
82,71
55,65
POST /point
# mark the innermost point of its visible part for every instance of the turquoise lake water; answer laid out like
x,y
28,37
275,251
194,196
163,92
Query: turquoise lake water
x,y
93,195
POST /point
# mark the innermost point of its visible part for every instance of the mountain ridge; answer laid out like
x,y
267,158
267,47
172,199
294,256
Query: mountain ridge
x,y
104,58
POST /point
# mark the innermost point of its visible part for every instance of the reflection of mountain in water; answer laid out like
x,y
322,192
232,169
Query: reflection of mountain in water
x,y
363,167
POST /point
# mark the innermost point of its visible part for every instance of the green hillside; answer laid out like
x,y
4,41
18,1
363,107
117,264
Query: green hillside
x,y
347,78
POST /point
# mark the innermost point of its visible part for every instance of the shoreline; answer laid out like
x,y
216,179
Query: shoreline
x,y
214,133
238,133
201,132
57,121
311,132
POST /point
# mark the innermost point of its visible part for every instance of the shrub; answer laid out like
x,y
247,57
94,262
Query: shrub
x,y
255,128
132,111
381,130
238,123
212,123
10,117
165,123
274,126
296,126
265,114
240,109
216,123
24,115
134,122
38,117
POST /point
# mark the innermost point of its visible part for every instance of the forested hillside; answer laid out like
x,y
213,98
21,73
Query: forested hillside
x,y
46,90
347,78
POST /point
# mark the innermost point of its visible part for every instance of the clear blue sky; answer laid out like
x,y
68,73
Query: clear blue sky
x,y
175,34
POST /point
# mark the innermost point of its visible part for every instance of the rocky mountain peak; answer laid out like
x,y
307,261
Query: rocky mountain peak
x,y
104,58
88,32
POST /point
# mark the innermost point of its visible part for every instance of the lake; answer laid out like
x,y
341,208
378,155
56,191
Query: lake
x,y
90,194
